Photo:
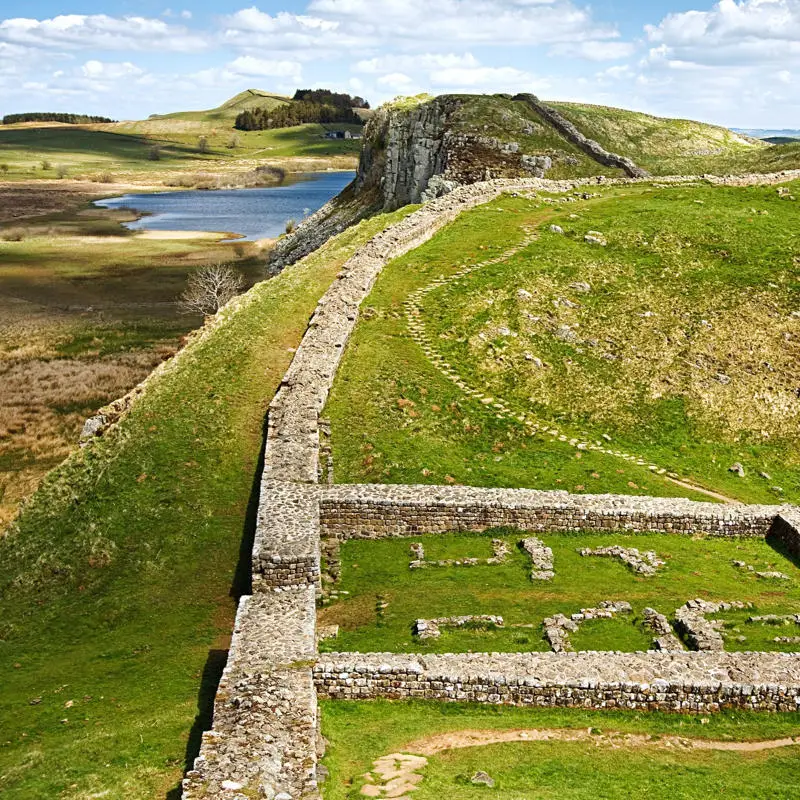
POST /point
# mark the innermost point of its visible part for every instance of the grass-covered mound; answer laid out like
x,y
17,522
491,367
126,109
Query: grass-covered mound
x,y
383,597
117,582
659,762
674,345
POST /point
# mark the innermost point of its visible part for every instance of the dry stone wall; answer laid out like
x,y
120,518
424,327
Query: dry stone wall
x,y
688,682
264,741
380,511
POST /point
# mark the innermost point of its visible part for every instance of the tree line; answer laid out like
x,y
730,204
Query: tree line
x,y
48,116
308,106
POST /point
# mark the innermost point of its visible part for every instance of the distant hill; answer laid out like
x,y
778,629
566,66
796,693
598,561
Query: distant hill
x,y
771,133
199,122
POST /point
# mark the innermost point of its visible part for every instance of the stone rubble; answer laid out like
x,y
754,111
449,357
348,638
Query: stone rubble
x,y
558,627
541,558
665,640
431,628
702,633
644,563
500,555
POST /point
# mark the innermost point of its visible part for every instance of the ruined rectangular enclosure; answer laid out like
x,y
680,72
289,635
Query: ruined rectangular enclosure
x,y
265,741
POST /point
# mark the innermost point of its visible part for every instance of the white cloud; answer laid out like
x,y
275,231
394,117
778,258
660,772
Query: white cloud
x,y
101,32
499,22
250,66
732,33
595,51
398,81
99,70
501,79
420,61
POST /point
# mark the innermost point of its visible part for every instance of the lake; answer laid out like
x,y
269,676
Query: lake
x,y
254,213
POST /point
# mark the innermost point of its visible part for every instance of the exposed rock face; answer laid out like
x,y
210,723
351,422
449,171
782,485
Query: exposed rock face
x,y
413,155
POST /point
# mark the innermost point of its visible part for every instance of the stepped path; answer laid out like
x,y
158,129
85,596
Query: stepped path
x,y
415,317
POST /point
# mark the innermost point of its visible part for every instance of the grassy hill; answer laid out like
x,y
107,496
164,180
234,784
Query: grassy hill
x,y
116,583
627,348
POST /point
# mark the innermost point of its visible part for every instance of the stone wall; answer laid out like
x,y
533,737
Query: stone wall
x,y
375,512
688,682
263,743
264,739
589,146
786,528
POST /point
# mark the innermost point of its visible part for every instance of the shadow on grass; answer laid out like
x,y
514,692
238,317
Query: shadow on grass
x,y
241,585
776,542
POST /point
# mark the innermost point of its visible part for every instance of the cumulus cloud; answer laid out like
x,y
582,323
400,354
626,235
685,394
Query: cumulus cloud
x,y
733,33
595,51
101,32
99,70
367,24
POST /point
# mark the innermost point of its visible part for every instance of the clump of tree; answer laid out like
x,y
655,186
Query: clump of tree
x,y
47,116
308,106
209,288
327,97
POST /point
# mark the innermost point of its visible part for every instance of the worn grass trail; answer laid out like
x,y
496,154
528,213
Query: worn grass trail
x,y
574,754
673,345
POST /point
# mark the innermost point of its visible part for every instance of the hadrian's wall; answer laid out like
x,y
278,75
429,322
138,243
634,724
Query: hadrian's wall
x,y
264,741
688,682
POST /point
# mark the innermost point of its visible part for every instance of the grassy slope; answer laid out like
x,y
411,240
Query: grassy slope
x,y
694,567
360,732
508,121
115,586
676,146
701,260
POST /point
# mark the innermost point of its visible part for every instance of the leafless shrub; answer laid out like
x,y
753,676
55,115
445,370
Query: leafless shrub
x,y
291,226
61,171
154,153
210,288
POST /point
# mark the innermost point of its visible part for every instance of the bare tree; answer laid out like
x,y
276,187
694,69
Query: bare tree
x,y
209,288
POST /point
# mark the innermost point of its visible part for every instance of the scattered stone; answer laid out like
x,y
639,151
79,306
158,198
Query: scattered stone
x,y
581,286
665,640
644,563
558,627
556,229
482,779
701,633
737,469
541,558
431,628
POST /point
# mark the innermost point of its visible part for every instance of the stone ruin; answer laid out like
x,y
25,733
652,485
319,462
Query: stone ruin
x,y
500,555
432,628
643,563
265,741
541,558
558,627
702,633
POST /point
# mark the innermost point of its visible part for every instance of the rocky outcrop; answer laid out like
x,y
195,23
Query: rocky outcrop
x,y
589,146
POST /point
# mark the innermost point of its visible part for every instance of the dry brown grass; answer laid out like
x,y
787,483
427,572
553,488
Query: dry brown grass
x,y
43,404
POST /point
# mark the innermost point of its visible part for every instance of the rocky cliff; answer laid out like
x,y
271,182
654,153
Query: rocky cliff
x,y
418,149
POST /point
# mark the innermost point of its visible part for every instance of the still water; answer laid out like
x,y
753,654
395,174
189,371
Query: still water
x,y
253,213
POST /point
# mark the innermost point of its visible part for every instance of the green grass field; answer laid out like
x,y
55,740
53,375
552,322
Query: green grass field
x,y
638,359
598,767
695,567
117,583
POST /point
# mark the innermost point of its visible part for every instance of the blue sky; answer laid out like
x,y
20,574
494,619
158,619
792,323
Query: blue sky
x,y
734,62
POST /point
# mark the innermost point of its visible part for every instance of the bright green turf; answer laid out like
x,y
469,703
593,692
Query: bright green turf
x,y
677,258
360,732
695,567
116,583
